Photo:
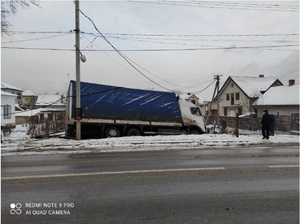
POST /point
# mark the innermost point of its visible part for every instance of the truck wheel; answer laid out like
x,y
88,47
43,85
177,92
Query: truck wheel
x,y
195,132
134,132
112,132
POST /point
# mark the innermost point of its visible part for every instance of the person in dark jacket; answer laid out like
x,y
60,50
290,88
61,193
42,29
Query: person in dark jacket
x,y
265,122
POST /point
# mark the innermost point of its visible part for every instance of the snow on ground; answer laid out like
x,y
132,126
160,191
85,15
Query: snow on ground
x,y
20,143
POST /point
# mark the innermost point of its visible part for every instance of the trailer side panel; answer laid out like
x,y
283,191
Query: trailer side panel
x,y
110,102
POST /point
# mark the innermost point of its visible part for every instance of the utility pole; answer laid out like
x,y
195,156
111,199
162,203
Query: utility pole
x,y
217,77
216,92
78,54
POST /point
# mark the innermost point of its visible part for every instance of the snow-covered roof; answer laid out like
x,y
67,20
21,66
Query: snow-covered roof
x,y
28,92
49,99
18,108
280,95
8,86
253,86
34,112
7,94
28,113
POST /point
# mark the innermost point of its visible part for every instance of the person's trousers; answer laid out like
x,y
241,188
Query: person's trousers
x,y
265,132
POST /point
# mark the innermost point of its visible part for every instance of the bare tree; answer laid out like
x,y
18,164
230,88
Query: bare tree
x,y
11,7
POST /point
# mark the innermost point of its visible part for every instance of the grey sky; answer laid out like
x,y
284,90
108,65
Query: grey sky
x,y
228,38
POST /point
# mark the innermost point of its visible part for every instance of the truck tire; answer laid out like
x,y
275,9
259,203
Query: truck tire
x,y
112,131
195,131
133,132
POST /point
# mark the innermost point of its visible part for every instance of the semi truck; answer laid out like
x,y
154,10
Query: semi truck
x,y
112,111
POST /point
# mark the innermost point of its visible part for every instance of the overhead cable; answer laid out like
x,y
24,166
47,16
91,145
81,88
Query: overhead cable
x,y
122,55
265,47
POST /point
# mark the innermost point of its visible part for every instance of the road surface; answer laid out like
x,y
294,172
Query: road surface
x,y
242,185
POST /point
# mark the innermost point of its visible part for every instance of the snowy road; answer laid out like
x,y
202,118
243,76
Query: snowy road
x,y
224,185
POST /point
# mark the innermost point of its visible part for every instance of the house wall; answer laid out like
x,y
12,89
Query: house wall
x,y
28,101
16,92
231,101
8,100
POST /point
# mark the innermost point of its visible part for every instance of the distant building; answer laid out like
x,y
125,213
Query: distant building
x,y
8,109
50,101
13,90
238,94
283,103
280,100
28,99
40,115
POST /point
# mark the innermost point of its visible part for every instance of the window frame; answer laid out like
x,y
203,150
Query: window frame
x,y
7,111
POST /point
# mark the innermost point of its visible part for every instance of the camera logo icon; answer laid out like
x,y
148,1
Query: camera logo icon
x,y
15,209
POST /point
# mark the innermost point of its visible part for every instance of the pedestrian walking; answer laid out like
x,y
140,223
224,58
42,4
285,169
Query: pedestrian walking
x,y
272,124
265,122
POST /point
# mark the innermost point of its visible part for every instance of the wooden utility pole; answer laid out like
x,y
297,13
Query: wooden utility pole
x,y
216,92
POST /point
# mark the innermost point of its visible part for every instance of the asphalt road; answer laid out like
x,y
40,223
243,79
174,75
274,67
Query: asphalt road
x,y
242,185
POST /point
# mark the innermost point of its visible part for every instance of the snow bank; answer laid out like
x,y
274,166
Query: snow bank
x,y
18,142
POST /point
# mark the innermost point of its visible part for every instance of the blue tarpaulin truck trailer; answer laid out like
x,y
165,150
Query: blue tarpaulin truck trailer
x,y
111,111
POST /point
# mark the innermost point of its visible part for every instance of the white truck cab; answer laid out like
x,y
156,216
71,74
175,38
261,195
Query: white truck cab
x,y
191,117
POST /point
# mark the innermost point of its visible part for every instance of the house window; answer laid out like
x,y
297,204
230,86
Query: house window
x,y
232,85
194,102
7,111
237,96
232,99
227,97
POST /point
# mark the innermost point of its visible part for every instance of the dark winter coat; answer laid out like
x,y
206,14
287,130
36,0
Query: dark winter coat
x,y
266,120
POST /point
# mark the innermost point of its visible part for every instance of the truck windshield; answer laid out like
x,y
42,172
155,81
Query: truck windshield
x,y
195,111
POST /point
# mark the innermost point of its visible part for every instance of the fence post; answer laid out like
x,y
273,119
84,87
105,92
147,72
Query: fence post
x,y
237,125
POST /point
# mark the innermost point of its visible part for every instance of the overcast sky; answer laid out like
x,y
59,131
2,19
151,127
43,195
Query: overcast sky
x,y
177,45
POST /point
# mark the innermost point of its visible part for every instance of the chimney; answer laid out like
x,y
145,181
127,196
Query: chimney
x,y
261,75
291,82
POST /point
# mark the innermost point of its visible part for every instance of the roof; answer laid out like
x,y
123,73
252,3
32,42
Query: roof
x,y
49,99
28,92
8,86
34,112
7,94
18,108
280,95
252,86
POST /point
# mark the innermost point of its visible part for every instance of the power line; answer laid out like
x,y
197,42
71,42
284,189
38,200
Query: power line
x,y
39,38
122,55
225,5
205,87
91,42
187,87
265,47
160,35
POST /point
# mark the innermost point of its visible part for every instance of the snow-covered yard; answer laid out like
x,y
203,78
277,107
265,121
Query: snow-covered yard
x,y
20,143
